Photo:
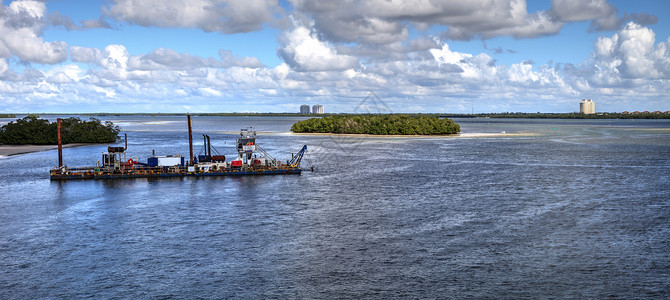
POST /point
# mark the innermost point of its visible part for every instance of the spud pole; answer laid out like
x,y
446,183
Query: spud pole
x,y
60,145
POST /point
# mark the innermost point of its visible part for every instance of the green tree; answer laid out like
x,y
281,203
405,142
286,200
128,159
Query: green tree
x,y
379,125
32,130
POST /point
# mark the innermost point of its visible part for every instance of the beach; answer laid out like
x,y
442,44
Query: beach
x,y
456,135
9,150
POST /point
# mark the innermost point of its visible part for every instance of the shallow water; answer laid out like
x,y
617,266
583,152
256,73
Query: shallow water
x,y
577,209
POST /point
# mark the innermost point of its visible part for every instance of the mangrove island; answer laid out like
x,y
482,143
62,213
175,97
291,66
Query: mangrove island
x,y
35,131
396,124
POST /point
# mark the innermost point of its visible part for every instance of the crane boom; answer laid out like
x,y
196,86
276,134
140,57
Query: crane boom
x,y
295,161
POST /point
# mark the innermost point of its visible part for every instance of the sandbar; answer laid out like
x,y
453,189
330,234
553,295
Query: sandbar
x,y
9,150
456,135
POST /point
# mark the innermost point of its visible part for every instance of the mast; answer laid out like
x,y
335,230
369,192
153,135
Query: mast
x,y
209,148
60,145
190,139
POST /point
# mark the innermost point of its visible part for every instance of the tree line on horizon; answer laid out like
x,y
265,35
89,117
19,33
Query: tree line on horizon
x,y
520,115
574,115
33,130
396,124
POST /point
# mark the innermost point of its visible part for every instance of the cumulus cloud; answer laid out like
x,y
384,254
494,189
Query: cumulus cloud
x,y
501,18
230,60
633,53
303,51
56,19
98,23
340,50
60,78
85,55
571,11
381,21
604,16
168,59
29,75
3,66
207,91
21,25
227,16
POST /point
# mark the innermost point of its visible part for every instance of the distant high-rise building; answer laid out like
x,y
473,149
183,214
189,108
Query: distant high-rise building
x,y
587,107
304,109
317,109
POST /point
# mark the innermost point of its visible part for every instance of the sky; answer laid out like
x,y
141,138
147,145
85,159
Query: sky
x,y
424,56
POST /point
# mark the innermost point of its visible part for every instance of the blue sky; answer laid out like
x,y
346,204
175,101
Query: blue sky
x,y
273,56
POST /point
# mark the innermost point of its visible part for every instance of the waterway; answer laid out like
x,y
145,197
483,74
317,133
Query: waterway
x,y
547,209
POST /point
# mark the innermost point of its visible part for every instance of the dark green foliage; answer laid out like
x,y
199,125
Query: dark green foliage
x,y
378,125
7,116
604,115
32,130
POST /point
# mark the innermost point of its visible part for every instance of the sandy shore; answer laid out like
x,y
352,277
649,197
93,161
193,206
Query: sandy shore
x,y
9,150
457,135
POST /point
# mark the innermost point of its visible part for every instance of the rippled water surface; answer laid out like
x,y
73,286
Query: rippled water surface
x,y
551,208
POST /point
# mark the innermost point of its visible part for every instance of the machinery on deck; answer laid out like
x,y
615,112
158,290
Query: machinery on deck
x,y
295,160
251,160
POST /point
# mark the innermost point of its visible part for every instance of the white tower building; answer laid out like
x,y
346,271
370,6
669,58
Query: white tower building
x,y
304,109
587,107
317,109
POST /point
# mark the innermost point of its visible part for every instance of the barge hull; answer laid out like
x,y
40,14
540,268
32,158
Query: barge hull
x,y
75,176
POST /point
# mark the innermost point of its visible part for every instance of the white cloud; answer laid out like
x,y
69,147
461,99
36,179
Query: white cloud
x,y
228,16
632,53
230,60
381,21
604,16
34,9
20,34
59,77
85,55
3,66
115,62
571,11
108,92
303,51
521,73
168,59
65,74
446,56
335,53
208,91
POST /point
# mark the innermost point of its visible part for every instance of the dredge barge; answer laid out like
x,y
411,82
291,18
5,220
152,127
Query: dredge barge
x,y
251,160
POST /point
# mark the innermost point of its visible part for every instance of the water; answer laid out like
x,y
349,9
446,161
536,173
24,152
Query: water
x,y
551,208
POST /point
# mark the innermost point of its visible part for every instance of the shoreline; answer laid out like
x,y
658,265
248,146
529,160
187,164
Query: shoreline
x,y
407,136
12,150
455,135
492,115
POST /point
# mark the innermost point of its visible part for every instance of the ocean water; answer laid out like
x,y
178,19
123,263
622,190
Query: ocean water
x,y
549,209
